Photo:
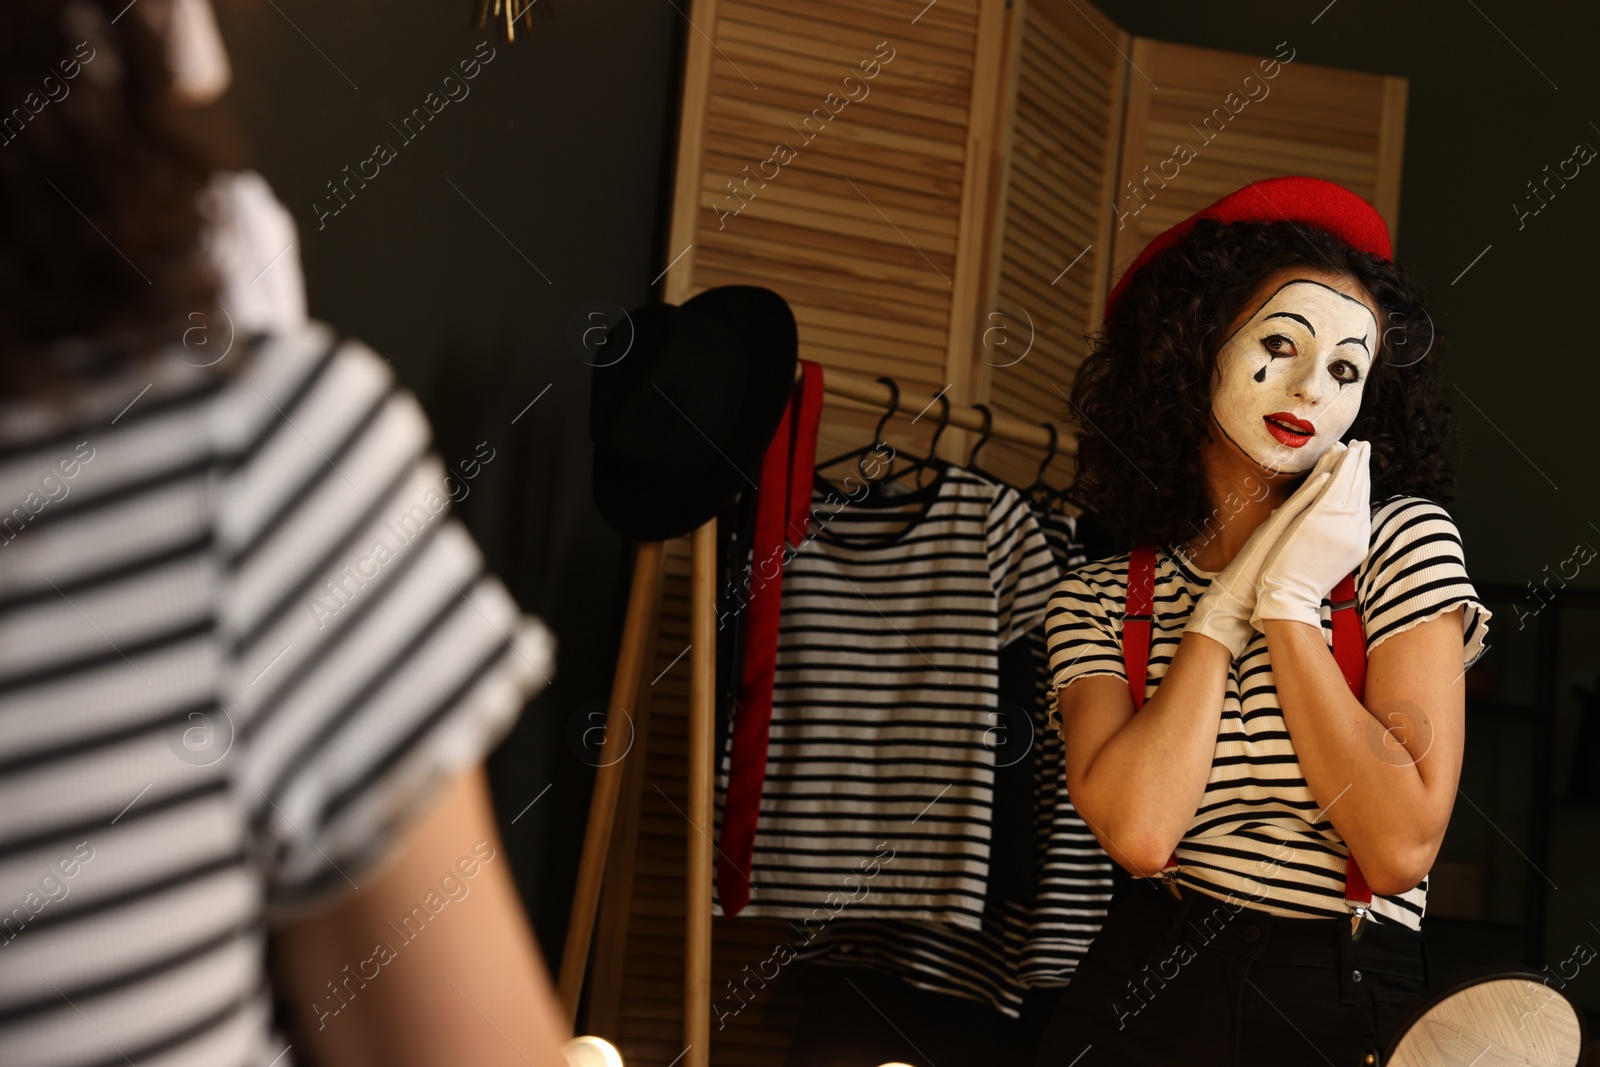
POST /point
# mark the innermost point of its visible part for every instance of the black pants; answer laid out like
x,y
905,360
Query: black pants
x,y
1208,982
853,1017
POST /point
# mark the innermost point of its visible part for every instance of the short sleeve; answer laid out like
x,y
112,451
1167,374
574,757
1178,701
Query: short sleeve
x,y
1021,566
1415,570
372,657
1083,628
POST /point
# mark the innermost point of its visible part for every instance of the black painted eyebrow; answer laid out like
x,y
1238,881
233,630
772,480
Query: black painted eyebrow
x,y
1357,340
1285,285
1301,319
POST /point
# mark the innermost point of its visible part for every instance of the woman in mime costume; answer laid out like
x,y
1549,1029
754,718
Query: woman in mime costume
x,y
1261,417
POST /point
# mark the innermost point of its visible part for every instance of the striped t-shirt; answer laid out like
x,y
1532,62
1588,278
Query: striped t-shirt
x,y
1028,944
242,641
879,778
1074,871
1259,833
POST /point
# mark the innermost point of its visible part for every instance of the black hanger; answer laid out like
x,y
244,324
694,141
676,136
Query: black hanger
x,y
983,437
877,445
1039,489
1040,492
916,464
1067,494
931,462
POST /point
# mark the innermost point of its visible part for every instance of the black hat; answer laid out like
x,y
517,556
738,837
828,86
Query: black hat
x,y
680,422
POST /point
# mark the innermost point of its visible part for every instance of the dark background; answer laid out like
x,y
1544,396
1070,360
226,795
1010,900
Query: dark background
x,y
564,146
564,149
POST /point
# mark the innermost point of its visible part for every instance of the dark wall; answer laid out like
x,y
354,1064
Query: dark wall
x,y
537,191
1489,108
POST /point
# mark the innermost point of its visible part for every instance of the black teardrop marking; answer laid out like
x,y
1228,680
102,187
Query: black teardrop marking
x,y
1261,375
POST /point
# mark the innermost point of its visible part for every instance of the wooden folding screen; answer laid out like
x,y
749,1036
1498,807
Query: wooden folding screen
x,y
1242,118
933,187
838,153
1050,234
841,154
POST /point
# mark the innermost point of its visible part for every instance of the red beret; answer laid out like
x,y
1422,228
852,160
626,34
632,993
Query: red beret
x,y
1309,201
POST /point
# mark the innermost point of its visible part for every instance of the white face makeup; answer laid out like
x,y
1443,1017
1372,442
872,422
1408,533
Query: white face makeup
x,y
1289,381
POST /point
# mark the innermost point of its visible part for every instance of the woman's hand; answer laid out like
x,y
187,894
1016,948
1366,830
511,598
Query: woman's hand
x,y
1224,612
1324,543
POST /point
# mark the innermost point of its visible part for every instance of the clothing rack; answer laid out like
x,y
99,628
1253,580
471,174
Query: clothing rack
x,y
642,614
873,391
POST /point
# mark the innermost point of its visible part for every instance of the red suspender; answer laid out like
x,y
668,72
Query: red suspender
x,y
1349,643
783,511
1349,650
1139,610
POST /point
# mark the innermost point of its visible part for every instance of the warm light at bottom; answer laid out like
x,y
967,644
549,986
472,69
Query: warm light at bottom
x,y
591,1051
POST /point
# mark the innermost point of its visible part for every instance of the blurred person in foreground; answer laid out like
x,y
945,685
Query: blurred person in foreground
x,y
250,666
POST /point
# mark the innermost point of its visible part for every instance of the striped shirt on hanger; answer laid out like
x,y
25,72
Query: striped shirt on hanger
x,y
1259,829
241,642
1022,945
879,776
1074,871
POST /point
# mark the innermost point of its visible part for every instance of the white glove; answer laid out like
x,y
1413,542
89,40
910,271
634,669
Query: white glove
x,y
1223,611
1324,544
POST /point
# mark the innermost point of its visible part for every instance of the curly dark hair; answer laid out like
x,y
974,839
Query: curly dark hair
x,y
100,227
1142,398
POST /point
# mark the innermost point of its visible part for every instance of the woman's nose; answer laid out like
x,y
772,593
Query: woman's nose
x,y
1306,385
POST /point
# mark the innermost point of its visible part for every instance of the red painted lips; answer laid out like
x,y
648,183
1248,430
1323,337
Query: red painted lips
x,y
1289,430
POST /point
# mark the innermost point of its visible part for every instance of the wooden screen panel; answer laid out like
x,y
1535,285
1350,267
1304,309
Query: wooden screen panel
x,y
868,222
637,987
1344,126
1063,112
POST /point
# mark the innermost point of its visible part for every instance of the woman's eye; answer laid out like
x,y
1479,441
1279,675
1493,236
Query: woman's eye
x,y
1278,345
1345,372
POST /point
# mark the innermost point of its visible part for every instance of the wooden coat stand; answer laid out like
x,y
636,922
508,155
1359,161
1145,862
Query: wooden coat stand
x,y
643,593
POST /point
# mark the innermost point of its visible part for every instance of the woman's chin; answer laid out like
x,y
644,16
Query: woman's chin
x,y
1281,461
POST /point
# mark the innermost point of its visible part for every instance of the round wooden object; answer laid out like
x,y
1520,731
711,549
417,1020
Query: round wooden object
x,y
1495,1022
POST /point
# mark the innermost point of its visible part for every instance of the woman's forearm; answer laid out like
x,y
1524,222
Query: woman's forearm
x,y
1138,778
1383,771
